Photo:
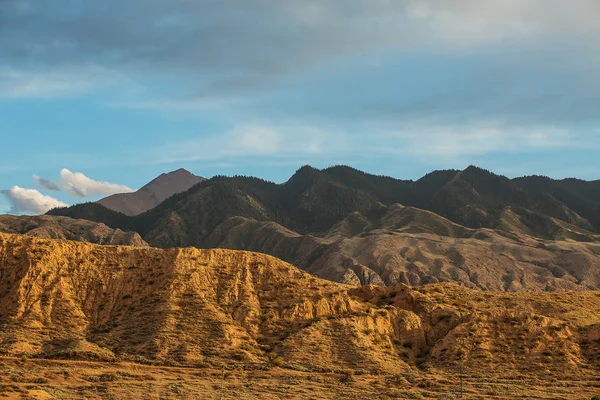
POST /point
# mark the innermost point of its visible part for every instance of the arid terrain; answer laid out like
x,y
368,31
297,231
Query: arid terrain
x,y
88,321
64,228
61,379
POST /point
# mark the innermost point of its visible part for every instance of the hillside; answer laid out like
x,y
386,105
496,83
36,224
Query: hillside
x,y
151,194
416,247
212,308
65,228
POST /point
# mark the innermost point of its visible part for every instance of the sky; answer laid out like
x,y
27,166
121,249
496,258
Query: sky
x,y
101,97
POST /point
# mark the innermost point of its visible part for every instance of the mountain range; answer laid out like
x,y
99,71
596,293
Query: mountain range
x,y
474,227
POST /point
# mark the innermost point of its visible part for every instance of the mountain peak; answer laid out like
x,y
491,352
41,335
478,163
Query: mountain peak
x,y
304,175
153,193
476,169
177,172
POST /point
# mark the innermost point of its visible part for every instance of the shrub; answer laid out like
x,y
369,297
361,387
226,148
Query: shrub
x,y
347,375
278,362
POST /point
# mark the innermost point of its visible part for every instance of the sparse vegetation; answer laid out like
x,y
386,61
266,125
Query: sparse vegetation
x,y
243,319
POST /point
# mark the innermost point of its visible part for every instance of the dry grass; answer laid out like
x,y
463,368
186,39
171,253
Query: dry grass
x,y
45,379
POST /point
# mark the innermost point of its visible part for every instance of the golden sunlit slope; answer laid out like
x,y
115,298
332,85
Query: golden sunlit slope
x,y
73,300
56,227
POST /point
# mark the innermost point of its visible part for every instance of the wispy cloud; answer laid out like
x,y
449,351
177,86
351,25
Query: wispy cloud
x,y
47,184
461,142
249,141
468,23
50,84
78,185
27,201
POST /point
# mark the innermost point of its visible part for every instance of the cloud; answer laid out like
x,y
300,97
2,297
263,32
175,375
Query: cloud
x,y
78,185
434,72
46,184
26,201
54,82
250,141
468,23
237,46
469,141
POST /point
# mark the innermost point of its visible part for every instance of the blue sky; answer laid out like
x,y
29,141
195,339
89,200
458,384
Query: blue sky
x,y
98,97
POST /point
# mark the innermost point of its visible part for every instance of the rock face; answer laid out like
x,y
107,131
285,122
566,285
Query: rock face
x,y
54,227
152,194
222,307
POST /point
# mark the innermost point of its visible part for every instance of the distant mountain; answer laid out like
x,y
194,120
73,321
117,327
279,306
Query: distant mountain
x,y
478,198
470,226
152,194
578,195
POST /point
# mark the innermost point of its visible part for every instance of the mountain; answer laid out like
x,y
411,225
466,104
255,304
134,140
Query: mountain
x,y
477,198
243,311
415,247
65,228
578,195
152,194
469,226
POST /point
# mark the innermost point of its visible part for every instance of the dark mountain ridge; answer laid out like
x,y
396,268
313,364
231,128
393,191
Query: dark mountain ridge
x,y
314,200
470,226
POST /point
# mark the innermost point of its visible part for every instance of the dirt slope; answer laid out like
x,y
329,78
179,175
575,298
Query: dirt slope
x,y
55,227
212,308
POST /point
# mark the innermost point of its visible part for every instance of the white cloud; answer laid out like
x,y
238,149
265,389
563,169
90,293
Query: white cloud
x,y
79,185
27,201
